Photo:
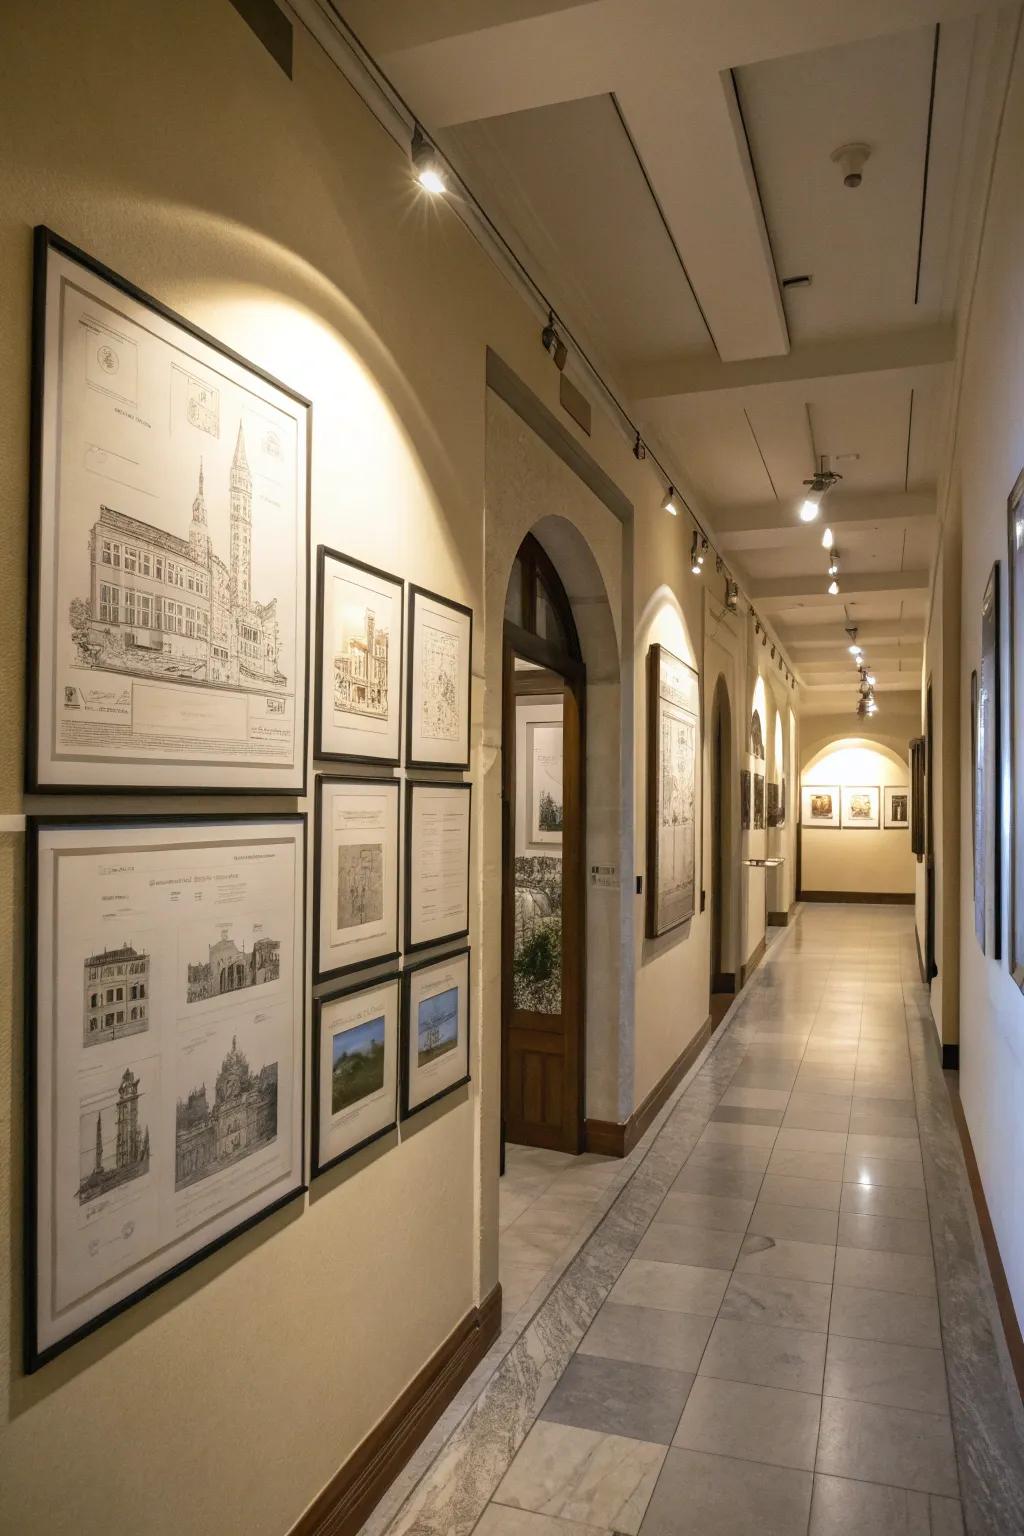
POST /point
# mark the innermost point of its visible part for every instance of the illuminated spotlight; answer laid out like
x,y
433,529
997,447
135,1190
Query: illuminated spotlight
x,y
427,164
696,556
855,650
833,588
810,507
671,502
826,539
870,678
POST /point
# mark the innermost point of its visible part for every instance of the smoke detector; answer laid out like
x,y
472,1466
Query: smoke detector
x,y
851,159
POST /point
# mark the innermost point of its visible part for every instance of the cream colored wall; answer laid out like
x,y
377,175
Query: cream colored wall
x,y
724,657
850,859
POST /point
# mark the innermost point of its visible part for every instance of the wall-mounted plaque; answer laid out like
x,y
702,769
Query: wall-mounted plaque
x,y
165,1030
355,1069
437,828
435,1030
358,710
169,549
673,749
355,874
440,658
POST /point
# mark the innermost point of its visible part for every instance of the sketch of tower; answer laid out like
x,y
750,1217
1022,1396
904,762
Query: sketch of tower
x,y
199,533
129,1137
98,1167
241,523
131,1144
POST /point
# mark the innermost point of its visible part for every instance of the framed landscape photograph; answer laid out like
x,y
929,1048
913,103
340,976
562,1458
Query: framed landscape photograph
x,y
440,659
437,832
358,710
355,1069
860,807
819,805
988,885
1015,521
673,753
355,874
169,549
165,1029
435,1030
896,807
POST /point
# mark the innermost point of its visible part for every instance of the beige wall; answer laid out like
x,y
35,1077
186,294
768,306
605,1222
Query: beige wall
x,y
875,862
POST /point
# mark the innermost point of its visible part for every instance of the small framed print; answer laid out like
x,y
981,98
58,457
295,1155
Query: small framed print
x,y
435,1030
745,799
358,706
896,807
860,807
355,1069
355,874
758,802
438,703
437,831
820,805
673,806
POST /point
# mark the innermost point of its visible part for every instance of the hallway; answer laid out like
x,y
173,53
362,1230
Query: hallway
x,y
783,1325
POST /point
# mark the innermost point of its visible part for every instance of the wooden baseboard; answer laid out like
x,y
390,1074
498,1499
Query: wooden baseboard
x,y
877,898
920,956
613,1138
357,1486
778,919
750,966
951,1058
1010,1320
723,981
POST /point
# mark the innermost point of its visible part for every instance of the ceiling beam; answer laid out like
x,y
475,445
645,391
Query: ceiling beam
x,y
875,632
775,523
780,591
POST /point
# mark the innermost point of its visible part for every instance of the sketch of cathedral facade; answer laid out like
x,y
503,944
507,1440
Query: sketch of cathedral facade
x,y
242,1118
131,1144
230,968
161,606
361,671
116,995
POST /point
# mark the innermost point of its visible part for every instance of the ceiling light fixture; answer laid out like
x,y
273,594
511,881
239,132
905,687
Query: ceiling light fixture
x,y
427,164
696,556
833,588
670,504
826,539
553,343
851,159
820,483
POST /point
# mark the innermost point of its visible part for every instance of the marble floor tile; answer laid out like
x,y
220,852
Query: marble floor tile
x,y
712,1495
842,1507
884,1200
883,1171
742,1116
726,1183
806,1165
787,1259
898,1375
803,1140
816,1119
669,1243
670,1287
737,1134
768,1357
897,1446
795,1223
894,1233
756,1098
784,1189
899,1148
648,1336
581,1475
912,1274
720,1155
723,1213
619,1397
894,1317
736,1418
778,1302
503,1520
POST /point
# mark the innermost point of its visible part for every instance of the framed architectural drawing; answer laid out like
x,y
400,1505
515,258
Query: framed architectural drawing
x,y
435,1030
745,799
988,905
758,802
896,807
169,549
820,805
355,1069
917,806
860,807
165,1052
437,827
673,755
756,736
358,710
440,657
355,874
1015,521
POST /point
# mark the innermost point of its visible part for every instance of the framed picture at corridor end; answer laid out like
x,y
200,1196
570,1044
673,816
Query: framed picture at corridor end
x,y
820,805
673,751
169,549
355,1069
437,827
435,1030
164,1051
358,710
1016,533
440,657
355,874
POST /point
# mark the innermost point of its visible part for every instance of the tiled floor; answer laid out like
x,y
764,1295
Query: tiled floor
x,y
548,1199
750,1343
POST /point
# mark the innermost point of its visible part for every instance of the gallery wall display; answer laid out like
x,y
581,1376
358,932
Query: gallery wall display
x,y
355,1069
1015,520
673,750
861,807
435,1030
355,874
758,802
437,829
819,805
165,1052
358,708
169,549
988,907
895,807
745,799
440,659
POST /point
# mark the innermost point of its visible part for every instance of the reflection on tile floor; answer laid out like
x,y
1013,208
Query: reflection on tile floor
x,y
750,1343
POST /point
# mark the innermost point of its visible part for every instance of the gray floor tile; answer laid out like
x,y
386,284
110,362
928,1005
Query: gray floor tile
x,y
906,1149
648,1336
883,1200
701,1495
670,1287
669,1243
742,1116
792,1260
784,1189
734,1418
767,1357
842,1507
795,1223
879,1270
807,1165
899,1375
722,1213
816,1119
721,1155
884,1171
889,1316
737,1134
802,1140
779,1303
579,1474
619,1397
870,1122
732,1183
503,1520
891,1232
756,1098
896,1446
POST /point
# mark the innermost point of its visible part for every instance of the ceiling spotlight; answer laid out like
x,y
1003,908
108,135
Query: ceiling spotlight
x,y
820,482
639,450
826,539
833,588
427,164
833,562
696,556
671,502
869,677
732,595
850,159
553,343
810,507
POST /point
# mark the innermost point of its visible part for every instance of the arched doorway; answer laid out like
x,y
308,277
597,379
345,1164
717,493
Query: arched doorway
x,y
723,979
543,838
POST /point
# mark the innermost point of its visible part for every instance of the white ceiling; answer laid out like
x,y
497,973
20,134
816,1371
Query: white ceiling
x,y
663,166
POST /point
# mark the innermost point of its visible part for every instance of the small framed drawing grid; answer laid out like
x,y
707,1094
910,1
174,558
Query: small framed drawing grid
x,y
355,874
437,841
439,680
357,714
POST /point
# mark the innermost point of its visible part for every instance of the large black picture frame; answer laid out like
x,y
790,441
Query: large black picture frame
x,y
323,554
1015,534
387,786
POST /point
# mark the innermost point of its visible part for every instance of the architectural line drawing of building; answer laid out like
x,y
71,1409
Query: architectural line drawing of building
x,y
131,1144
161,606
230,968
116,994
361,671
242,1119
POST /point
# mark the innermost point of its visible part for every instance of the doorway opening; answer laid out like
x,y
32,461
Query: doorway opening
x,y
723,979
543,841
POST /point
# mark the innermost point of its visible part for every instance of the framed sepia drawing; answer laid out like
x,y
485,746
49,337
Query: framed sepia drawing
x,y
169,549
435,1030
820,805
437,832
165,1052
988,906
758,802
673,754
358,707
355,1069
861,808
1015,522
355,874
438,703
896,807
745,799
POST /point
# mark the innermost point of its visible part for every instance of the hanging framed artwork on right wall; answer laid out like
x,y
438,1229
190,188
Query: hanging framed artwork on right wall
x,y
1015,524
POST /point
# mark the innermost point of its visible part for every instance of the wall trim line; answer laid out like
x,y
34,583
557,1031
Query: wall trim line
x,y
614,1138
752,962
883,898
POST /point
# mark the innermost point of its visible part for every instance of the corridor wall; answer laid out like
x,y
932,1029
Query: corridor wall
x,y
850,860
